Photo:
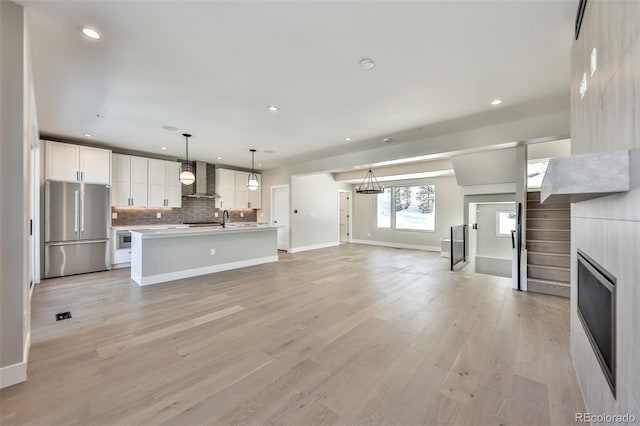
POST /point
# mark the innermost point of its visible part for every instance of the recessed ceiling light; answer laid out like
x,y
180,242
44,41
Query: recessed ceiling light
x,y
164,148
269,151
87,135
348,139
219,158
273,108
386,140
496,102
259,165
367,64
170,128
91,33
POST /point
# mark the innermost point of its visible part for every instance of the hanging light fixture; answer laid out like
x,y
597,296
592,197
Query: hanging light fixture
x,y
252,179
187,177
370,185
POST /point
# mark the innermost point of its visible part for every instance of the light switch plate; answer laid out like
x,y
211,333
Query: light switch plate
x,y
114,215
241,214
158,215
215,214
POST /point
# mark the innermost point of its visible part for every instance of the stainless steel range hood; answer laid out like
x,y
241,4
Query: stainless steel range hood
x,y
584,177
200,186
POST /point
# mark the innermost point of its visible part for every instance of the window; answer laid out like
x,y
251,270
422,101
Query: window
x,y
505,223
413,208
535,173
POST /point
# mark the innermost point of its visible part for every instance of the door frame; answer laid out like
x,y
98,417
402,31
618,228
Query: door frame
x,y
272,189
349,214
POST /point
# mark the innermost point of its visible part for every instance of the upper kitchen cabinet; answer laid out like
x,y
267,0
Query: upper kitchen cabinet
x,y
73,163
225,184
231,186
164,184
130,179
242,193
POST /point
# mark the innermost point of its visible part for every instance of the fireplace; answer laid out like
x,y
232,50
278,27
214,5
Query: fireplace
x,y
597,312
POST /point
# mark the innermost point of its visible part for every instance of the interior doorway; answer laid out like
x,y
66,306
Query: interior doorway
x,y
490,237
280,214
344,216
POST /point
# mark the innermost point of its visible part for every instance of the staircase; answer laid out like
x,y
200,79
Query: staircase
x,y
548,246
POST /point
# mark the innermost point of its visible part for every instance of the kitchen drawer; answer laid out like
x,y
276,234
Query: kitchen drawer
x,y
122,256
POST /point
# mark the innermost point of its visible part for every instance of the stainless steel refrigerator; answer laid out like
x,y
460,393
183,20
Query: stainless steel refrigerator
x,y
76,231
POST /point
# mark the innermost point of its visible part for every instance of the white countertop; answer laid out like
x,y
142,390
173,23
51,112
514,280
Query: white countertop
x,y
202,230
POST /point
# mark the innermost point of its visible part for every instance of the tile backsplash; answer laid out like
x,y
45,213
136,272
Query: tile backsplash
x,y
192,210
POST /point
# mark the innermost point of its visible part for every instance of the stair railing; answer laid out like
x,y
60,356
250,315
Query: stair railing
x,y
458,244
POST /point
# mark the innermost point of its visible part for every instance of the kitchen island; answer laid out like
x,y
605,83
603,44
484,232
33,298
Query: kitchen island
x,y
161,255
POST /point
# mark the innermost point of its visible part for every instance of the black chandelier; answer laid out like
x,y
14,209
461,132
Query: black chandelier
x,y
370,185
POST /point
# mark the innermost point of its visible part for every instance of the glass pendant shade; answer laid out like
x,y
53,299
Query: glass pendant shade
x,y
187,177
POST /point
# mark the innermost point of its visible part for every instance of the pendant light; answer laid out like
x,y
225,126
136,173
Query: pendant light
x,y
370,185
187,177
252,179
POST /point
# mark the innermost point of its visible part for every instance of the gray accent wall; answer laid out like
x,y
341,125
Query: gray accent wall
x,y
14,186
608,229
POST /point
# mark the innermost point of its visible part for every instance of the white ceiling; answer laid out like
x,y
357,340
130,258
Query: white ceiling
x,y
212,68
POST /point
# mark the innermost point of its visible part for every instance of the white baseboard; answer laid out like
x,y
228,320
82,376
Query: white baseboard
x,y
16,373
314,247
171,276
398,245
120,265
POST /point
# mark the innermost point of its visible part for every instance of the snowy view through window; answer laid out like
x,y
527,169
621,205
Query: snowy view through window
x,y
413,207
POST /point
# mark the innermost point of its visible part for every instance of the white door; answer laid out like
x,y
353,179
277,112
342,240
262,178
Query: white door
x,y
280,214
95,165
62,162
173,185
156,184
139,180
344,217
242,193
121,185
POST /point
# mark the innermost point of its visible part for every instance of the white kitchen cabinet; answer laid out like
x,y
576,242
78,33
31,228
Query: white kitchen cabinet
x,y
255,197
231,186
129,187
225,185
164,186
242,192
73,163
173,184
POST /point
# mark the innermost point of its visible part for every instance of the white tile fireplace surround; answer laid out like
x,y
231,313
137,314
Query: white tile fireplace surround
x,y
605,120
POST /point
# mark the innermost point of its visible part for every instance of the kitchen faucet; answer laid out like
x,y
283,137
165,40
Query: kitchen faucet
x,y
225,215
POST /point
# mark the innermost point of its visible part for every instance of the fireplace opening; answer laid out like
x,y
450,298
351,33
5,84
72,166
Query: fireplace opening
x,y
597,312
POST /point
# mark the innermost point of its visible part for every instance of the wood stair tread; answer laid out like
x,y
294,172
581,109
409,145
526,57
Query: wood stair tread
x,y
548,229
544,253
549,282
555,268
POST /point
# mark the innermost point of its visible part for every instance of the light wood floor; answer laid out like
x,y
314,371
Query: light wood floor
x,y
341,336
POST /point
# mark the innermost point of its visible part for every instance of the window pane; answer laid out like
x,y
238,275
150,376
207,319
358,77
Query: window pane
x,y
506,223
415,207
383,218
535,173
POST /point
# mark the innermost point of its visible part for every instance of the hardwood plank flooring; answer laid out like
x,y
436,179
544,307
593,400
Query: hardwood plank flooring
x,y
351,335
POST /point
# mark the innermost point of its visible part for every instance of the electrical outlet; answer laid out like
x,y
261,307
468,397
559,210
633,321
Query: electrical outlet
x,y
368,234
114,215
261,214
213,252
215,214
158,215
317,237
241,214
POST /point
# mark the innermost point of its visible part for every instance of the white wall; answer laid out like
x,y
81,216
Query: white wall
x,y
316,223
15,125
448,213
552,149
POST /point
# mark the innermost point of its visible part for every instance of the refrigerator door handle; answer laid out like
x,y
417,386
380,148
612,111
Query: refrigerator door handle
x,y
73,243
82,211
75,227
